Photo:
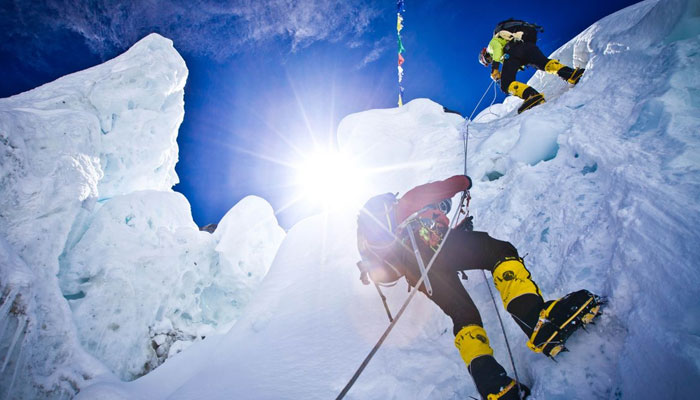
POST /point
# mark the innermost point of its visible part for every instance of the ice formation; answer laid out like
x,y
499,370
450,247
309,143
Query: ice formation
x,y
103,270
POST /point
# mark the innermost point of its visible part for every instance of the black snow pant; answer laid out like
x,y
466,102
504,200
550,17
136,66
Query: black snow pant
x,y
517,55
462,251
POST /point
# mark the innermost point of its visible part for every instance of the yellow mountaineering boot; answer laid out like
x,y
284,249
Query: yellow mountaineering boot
x,y
521,296
518,89
472,342
531,96
553,66
560,318
512,280
491,380
568,74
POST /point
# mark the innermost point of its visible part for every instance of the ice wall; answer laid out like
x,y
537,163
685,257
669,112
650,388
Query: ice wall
x,y
65,146
614,210
98,253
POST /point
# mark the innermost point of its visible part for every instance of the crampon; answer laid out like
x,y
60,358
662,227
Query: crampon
x,y
561,318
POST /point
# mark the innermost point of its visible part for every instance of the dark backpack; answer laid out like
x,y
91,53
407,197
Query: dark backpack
x,y
377,220
516,25
376,232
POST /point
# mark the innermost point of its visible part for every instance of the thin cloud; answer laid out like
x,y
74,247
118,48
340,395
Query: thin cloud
x,y
379,48
208,28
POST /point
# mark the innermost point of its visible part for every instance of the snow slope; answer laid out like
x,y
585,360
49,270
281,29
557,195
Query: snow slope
x,y
599,187
103,270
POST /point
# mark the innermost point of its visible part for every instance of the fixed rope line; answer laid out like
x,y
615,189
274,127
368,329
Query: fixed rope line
x,y
488,284
480,100
469,121
495,95
510,353
393,322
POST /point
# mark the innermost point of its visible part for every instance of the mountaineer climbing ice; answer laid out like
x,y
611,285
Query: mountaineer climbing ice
x,y
398,237
513,45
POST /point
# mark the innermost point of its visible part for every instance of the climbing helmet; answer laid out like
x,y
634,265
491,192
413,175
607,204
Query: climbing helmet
x,y
484,57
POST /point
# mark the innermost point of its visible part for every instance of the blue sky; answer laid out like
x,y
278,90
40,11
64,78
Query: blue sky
x,y
270,80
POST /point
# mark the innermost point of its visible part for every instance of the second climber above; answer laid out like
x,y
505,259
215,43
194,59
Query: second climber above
x,y
513,46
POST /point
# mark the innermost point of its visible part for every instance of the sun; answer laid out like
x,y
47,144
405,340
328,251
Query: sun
x,y
331,179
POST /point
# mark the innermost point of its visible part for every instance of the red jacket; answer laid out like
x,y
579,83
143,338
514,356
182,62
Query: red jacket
x,y
430,193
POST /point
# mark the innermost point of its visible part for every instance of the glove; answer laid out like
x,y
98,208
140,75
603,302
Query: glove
x,y
467,224
496,75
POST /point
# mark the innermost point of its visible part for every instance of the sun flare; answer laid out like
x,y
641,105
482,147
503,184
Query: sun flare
x,y
332,180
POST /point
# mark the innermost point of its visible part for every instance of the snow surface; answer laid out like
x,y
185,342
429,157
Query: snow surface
x,y
103,271
599,187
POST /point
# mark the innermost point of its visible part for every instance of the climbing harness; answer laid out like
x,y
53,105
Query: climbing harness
x,y
419,259
386,306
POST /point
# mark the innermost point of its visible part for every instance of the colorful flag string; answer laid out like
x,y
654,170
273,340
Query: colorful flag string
x,y
399,25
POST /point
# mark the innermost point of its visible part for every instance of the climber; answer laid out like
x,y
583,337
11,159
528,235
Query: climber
x,y
388,227
513,45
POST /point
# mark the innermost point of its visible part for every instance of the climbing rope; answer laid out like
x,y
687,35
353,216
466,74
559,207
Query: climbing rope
x,y
488,285
465,196
503,329
488,109
469,120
